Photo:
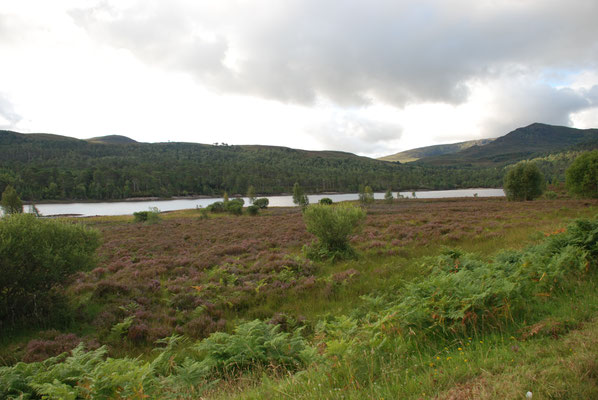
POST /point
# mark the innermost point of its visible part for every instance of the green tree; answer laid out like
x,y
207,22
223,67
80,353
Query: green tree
x,y
333,225
582,175
251,194
366,196
388,198
11,203
36,255
524,181
299,197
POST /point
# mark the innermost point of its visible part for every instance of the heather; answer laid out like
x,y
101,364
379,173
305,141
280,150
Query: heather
x,y
439,295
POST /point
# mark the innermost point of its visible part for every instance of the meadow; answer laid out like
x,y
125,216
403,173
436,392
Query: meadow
x,y
448,299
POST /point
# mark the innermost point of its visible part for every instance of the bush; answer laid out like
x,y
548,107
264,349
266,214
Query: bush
x,y
299,197
261,203
36,255
389,199
149,217
326,201
524,181
234,207
253,210
11,203
333,226
582,175
366,195
216,207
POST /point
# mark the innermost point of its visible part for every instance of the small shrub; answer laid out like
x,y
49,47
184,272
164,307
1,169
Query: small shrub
x,y
216,207
366,195
299,196
152,216
326,201
388,198
333,226
550,195
262,203
253,210
234,208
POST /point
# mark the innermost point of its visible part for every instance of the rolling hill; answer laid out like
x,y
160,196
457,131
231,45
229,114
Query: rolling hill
x,y
522,143
429,151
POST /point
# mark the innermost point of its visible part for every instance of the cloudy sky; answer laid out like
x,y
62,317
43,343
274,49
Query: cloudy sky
x,y
371,77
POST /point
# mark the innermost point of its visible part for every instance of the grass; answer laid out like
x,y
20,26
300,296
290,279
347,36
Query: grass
x,y
194,276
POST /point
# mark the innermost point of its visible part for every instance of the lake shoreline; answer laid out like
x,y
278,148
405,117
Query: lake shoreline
x,y
203,197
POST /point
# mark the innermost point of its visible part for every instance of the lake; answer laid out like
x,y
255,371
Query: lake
x,y
129,207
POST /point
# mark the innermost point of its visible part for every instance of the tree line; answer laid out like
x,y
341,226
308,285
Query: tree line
x,y
45,168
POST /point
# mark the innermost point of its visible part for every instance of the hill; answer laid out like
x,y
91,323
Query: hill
x,y
429,151
522,143
112,139
51,167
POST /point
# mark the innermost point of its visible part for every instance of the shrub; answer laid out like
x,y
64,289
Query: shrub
x,y
216,207
251,194
150,217
11,203
551,195
326,201
299,197
234,207
261,203
253,210
36,255
366,195
524,181
388,196
333,226
582,175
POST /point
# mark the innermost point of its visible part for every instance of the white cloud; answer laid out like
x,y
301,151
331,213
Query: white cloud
x,y
370,77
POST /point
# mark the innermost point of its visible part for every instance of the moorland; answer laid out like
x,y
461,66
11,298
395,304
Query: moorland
x,y
447,299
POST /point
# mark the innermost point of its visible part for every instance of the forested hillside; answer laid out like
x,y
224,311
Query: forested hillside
x,y
50,167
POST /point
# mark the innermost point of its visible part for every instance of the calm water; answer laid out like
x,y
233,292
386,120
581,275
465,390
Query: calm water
x,y
129,207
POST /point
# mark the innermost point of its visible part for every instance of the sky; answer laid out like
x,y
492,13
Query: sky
x,y
371,77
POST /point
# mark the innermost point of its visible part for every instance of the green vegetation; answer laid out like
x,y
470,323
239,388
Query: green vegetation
x,y
366,195
455,298
524,181
251,194
582,175
463,325
326,201
388,198
332,225
261,203
37,256
299,196
11,203
151,217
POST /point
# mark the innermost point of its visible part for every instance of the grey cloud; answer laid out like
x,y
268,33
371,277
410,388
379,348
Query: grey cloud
x,y
522,104
353,51
357,134
8,113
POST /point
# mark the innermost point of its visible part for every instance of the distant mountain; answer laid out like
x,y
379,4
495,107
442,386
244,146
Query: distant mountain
x,y
429,151
522,143
112,139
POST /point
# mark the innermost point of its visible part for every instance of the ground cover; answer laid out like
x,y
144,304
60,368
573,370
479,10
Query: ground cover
x,y
193,276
